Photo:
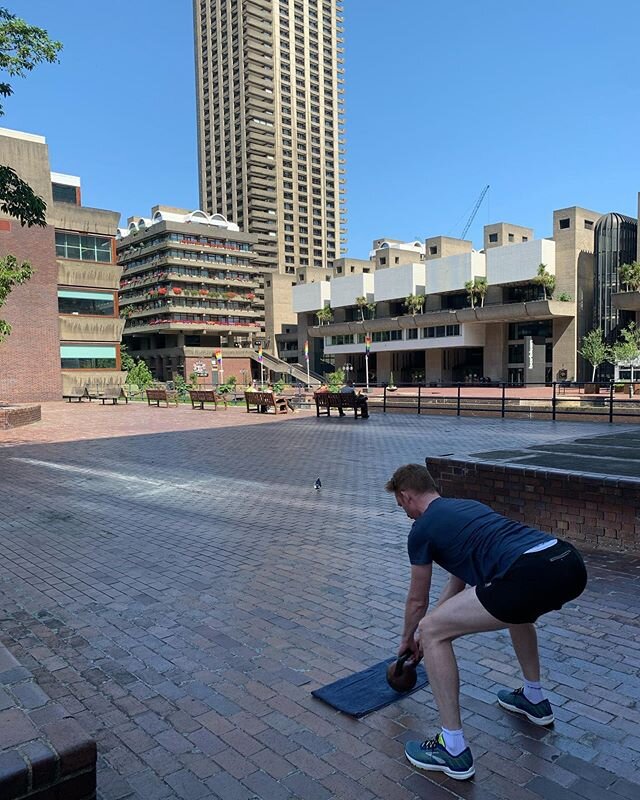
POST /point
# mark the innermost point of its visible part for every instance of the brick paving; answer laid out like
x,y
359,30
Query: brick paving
x,y
181,591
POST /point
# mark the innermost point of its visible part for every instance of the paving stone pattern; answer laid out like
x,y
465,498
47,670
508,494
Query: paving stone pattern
x,y
182,591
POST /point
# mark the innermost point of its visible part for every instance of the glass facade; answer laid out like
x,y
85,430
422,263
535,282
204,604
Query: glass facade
x,y
83,247
74,356
90,303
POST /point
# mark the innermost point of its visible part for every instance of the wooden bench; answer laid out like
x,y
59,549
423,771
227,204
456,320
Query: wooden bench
x,y
325,401
263,401
201,396
158,396
113,393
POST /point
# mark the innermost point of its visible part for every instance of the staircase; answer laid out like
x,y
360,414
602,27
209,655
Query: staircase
x,y
296,371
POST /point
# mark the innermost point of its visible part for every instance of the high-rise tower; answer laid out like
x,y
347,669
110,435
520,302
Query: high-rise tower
x,y
270,117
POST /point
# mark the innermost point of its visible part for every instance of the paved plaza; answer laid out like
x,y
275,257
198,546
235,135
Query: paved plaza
x,y
173,579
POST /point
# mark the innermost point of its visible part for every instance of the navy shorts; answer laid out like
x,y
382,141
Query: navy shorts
x,y
535,584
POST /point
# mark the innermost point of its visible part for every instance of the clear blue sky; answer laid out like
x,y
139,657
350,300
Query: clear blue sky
x,y
538,99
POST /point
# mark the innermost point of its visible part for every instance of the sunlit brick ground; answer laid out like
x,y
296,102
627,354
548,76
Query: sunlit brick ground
x,y
174,581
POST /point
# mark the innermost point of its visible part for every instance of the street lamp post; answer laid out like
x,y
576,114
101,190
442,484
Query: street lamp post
x,y
347,368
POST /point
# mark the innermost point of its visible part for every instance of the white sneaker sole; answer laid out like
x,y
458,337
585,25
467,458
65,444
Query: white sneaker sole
x,y
536,720
458,776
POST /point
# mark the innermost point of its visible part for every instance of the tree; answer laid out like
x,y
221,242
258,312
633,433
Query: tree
x,y
361,302
414,303
371,308
595,350
630,276
470,286
140,375
627,349
11,274
481,289
324,315
22,47
546,280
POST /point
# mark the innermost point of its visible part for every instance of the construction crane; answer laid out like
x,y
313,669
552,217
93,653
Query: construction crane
x,y
476,208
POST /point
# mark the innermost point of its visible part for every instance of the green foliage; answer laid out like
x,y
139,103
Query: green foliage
x,y
564,297
594,349
193,380
627,349
361,302
22,47
546,280
228,386
476,291
371,308
140,375
181,386
414,303
126,361
630,275
11,274
278,386
324,315
335,380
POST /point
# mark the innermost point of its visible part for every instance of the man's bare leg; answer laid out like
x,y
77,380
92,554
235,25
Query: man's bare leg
x,y
460,615
525,644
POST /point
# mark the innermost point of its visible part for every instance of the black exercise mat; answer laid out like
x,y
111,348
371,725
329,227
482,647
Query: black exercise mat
x,y
366,691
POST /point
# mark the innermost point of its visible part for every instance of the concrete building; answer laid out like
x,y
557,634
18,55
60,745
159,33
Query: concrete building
x,y
270,132
189,287
66,328
513,333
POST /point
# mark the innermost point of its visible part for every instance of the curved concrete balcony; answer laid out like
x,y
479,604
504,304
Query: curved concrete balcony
x,y
507,312
90,329
89,274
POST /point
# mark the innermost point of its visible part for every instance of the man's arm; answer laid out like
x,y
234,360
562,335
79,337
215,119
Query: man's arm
x,y
416,605
452,587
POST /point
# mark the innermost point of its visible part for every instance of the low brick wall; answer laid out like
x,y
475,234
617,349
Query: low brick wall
x,y
601,513
14,416
44,753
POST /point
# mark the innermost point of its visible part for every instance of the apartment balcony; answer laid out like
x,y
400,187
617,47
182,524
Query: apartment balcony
x,y
626,301
88,274
158,325
450,274
90,329
518,263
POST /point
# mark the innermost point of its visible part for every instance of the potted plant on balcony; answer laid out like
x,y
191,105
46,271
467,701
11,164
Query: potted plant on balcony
x,y
177,290
162,290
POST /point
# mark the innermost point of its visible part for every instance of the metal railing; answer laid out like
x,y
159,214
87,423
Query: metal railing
x,y
561,399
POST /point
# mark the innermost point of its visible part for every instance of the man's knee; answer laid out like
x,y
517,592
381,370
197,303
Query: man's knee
x,y
428,628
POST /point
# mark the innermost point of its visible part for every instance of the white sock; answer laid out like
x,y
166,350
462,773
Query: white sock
x,y
454,741
533,691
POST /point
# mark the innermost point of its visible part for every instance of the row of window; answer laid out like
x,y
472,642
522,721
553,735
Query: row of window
x,y
187,255
433,332
93,303
87,356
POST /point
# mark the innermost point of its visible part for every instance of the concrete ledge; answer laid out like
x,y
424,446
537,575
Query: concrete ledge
x,y
14,416
598,512
44,753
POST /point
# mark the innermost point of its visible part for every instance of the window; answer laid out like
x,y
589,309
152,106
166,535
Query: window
x,y
525,238
383,260
564,223
588,224
433,250
493,237
87,357
512,238
81,247
64,194
94,303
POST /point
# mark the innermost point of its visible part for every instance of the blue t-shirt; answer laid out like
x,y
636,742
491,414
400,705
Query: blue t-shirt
x,y
469,540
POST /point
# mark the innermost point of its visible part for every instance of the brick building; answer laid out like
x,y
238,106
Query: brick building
x,y
65,325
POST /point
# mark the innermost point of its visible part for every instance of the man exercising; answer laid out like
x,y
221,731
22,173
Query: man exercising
x,y
514,574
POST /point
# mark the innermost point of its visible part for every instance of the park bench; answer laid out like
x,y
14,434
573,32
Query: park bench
x,y
77,393
201,396
113,393
158,396
325,401
265,401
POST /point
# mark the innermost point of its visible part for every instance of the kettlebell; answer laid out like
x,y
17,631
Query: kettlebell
x,y
402,676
